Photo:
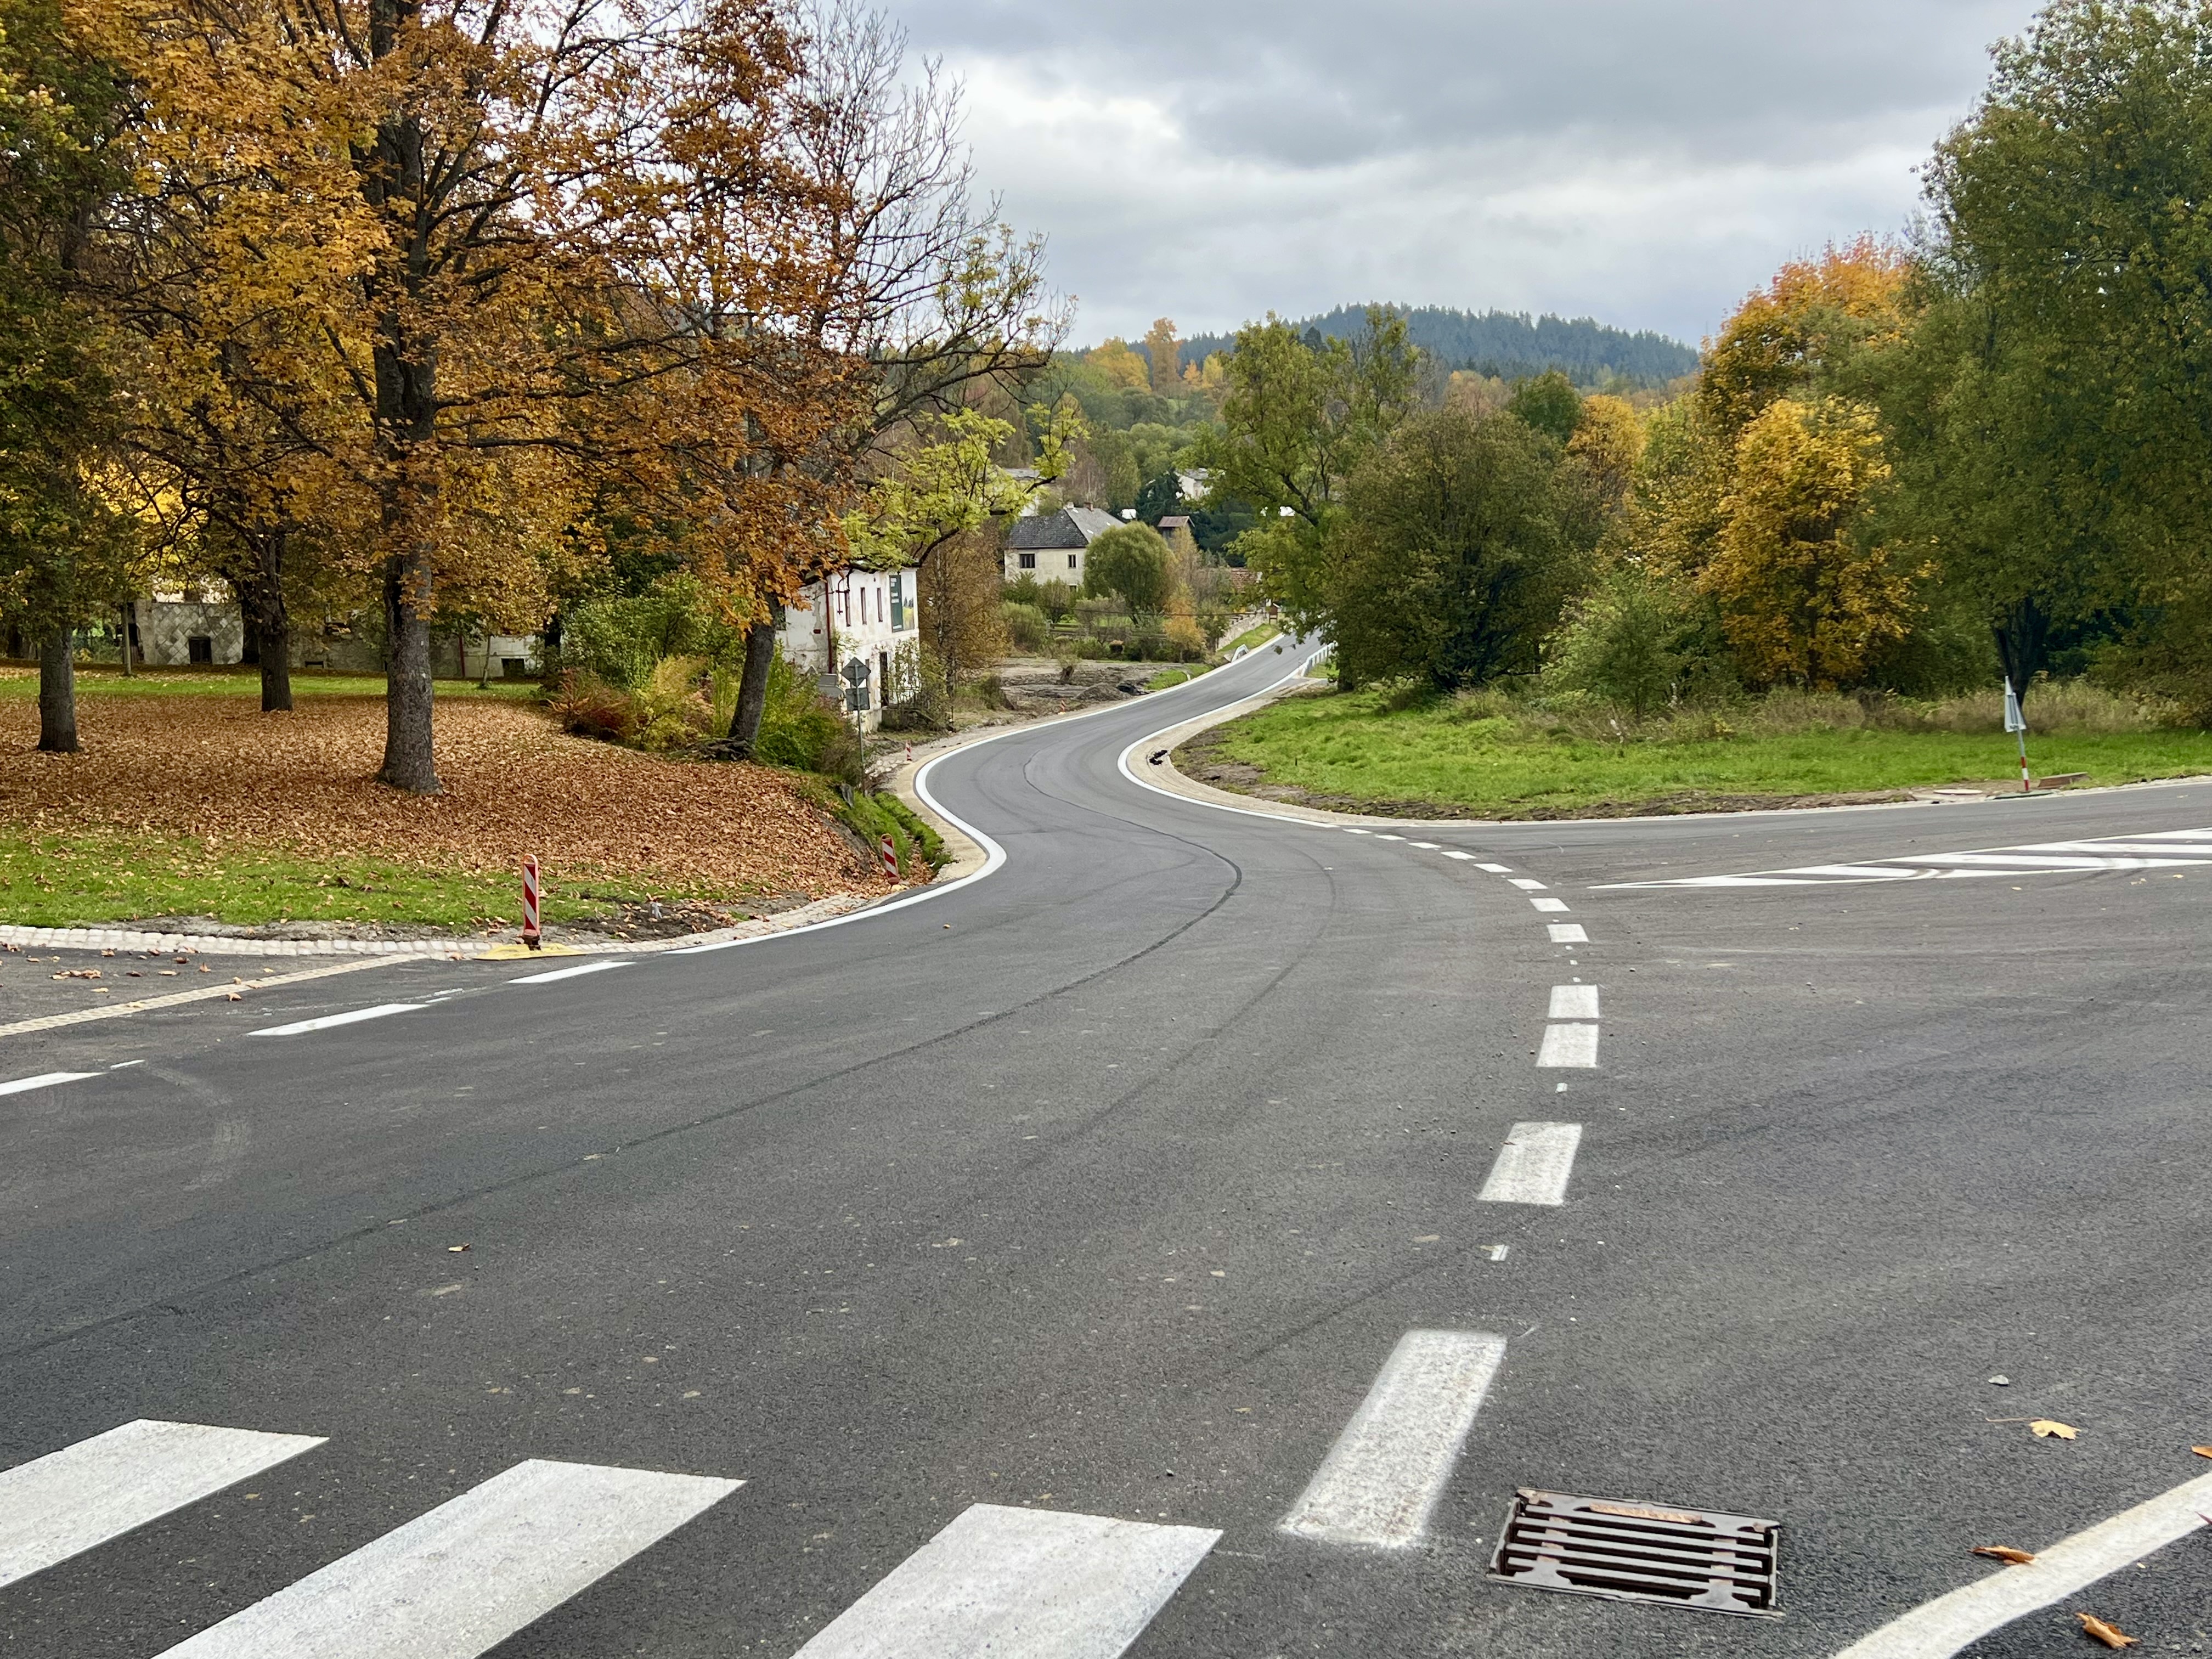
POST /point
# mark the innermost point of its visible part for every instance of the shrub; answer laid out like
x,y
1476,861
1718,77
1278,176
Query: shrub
x,y
622,640
1026,626
1618,643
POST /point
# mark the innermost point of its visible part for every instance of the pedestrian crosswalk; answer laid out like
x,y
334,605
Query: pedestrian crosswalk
x,y
460,1580
2164,849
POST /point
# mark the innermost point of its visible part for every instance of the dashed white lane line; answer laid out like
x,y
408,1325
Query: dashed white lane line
x,y
1941,1628
460,1580
1568,932
1550,906
1574,1002
1425,846
1534,1165
71,1500
1527,886
1019,1584
1382,1477
569,973
43,1080
1464,857
1567,1046
351,1017
1497,869
1381,835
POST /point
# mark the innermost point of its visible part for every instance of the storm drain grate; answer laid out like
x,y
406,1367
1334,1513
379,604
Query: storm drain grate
x,y
1639,1552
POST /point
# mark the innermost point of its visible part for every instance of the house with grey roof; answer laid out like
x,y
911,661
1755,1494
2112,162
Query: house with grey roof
x,y
1051,547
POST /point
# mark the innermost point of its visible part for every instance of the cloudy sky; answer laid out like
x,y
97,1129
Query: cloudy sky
x,y
1643,162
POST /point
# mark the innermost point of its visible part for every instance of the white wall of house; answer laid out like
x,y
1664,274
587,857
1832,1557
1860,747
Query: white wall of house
x,y
864,614
1046,564
170,633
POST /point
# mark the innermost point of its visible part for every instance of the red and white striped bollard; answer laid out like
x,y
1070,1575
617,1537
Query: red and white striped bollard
x,y
891,859
530,930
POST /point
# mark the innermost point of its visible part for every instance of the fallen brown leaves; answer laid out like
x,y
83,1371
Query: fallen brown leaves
x,y
2005,1553
2110,1635
220,770
2047,1428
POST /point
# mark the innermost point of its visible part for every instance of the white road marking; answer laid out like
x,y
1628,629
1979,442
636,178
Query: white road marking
x,y
1019,1584
1381,835
1568,932
1351,832
1534,1165
1463,857
352,1017
1497,869
569,973
80,1497
1425,846
1527,885
460,1580
2158,850
1550,906
1568,1045
43,1080
1382,1477
1574,1002
1941,1627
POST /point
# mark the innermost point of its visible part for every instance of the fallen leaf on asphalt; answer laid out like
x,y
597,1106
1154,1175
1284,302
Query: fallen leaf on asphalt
x,y
234,997
2046,1428
2201,1451
455,1250
2109,1635
2005,1553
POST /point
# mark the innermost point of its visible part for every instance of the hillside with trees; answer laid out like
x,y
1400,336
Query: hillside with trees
x,y
1509,345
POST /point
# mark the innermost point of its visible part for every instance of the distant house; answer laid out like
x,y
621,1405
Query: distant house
x,y
1051,547
1194,482
855,616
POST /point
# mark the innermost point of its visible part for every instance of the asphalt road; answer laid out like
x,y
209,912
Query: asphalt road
x,y
1106,1186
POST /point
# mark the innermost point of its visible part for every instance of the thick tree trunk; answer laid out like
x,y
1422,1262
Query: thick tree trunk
x,y
58,693
2023,639
752,690
128,612
410,762
261,596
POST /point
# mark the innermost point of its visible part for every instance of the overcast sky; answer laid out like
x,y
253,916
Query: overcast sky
x,y
1643,162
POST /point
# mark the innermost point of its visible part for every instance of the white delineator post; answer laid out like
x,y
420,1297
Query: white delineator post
x,y
2016,722
891,859
530,929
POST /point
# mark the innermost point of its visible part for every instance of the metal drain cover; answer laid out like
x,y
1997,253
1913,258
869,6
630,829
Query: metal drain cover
x,y
1640,1553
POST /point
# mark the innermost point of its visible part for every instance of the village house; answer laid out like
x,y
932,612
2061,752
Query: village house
x,y
867,617
1051,547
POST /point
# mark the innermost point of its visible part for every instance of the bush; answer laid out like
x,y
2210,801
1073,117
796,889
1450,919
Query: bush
x,y
1026,627
622,642
1619,644
800,728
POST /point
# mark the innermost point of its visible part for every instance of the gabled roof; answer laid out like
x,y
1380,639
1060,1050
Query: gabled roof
x,y
1072,526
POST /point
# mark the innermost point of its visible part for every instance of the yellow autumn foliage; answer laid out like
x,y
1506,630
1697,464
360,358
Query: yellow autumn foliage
x,y
1610,442
1804,598
1811,310
1119,365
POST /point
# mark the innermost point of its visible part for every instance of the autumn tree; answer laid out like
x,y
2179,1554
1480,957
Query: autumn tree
x,y
1131,562
1806,597
62,545
1165,354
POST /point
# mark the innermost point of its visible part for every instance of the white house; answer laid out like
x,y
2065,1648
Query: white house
x,y
866,617
1051,548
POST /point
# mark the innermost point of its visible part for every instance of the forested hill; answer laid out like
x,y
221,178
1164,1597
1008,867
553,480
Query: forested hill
x,y
1511,344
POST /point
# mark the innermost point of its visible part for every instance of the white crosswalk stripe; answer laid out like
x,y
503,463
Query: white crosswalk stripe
x,y
2164,849
1019,1584
460,1580
75,1499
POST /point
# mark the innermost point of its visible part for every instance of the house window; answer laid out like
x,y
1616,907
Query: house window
x,y
1029,561
199,648
898,601
1071,558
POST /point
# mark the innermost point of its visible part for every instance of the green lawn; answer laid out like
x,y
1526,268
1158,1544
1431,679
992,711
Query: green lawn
x,y
1168,677
102,681
59,880
1254,637
1356,750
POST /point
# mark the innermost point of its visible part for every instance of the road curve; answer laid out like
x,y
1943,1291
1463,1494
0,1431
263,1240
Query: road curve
x,y
1183,1239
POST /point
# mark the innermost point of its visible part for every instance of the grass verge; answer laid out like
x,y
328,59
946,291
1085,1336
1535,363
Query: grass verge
x,y
81,878
1480,757
1254,637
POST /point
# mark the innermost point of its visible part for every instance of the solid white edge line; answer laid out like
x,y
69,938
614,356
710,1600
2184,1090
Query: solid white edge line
x,y
460,1580
1535,1164
43,1080
1019,1583
1937,1629
1382,1478
80,1497
994,854
569,973
351,1017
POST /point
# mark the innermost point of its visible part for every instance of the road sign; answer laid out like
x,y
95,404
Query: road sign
x,y
856,670
2015,721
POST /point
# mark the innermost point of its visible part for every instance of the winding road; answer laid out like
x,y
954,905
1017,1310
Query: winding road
x,y
1183,1237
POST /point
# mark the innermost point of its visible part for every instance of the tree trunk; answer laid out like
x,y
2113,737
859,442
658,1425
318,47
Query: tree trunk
x,y
261,596
549,651
410,762
58,693
752,690
2023,639
129,611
